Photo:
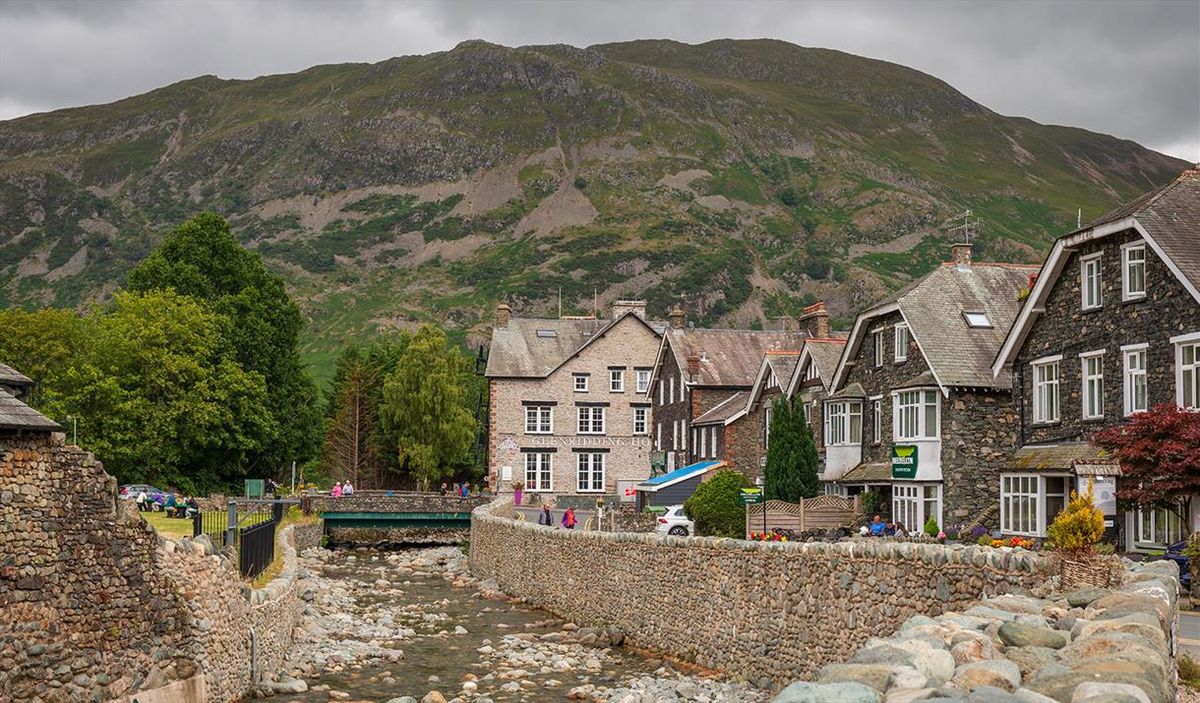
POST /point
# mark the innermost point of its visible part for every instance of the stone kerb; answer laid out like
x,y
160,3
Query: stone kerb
x,y
770,612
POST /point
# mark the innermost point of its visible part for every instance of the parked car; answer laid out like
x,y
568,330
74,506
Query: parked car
x,y
674,522
1175,554
130,491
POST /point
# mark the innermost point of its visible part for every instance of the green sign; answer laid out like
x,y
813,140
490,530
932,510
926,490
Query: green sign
x,y
750,496
658,463
904,461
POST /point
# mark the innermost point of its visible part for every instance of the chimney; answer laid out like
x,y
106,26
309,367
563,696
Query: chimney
x,y
962,255
676,317
693,367
637,307
814,319
503,312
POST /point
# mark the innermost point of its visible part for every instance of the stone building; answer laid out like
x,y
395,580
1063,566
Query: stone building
x,y
812,378
915,411
569,416
703,370
14,382
1111,328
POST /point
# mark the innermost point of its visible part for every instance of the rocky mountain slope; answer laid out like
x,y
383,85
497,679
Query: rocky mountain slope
x,y
742,178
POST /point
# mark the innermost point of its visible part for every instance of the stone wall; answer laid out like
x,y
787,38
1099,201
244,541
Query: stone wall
x,y
395,502
980,429
380,536
94,605
770,612
86,610
1091,644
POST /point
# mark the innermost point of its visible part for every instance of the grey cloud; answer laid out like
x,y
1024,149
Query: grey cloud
x,y
1131,69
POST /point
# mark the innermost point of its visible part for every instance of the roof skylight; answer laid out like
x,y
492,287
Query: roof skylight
x,y
977,319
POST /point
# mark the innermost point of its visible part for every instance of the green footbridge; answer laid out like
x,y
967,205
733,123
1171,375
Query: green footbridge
x,y
396,514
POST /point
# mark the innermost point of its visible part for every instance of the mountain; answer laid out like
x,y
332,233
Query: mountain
x,y
743,178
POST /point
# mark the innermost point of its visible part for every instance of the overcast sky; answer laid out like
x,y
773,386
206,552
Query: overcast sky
x,y
1131,69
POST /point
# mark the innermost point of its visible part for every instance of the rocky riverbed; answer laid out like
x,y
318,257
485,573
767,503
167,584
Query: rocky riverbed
x,y
414,627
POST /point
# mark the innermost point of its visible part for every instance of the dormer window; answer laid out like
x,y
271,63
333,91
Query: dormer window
x,y
977,320
1090,285
1133,271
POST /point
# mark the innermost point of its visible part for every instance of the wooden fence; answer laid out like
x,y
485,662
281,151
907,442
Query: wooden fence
x,y
820,513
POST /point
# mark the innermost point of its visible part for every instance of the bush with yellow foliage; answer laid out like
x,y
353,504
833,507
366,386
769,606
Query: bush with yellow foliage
x,y
1077,529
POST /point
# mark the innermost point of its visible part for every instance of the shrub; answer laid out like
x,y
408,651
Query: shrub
x,y
931,527
581,182
716,508
984,541
1080,526
871,503
1189,671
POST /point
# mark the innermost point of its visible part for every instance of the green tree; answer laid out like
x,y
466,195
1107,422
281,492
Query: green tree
x,y
44,345
792,461
426,408
716,507
202,259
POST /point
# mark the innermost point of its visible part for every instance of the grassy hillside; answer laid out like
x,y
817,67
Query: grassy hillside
x,y
742,178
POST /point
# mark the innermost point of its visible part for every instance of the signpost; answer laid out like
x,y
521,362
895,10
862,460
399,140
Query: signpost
x,y
753,496
904,461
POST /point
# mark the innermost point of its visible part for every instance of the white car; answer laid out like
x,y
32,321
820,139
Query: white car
x,y
674,522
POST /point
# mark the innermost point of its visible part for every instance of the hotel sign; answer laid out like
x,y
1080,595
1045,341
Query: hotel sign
x,y
904,461
582,441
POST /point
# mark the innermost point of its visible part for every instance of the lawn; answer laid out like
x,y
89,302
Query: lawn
x,y
172,527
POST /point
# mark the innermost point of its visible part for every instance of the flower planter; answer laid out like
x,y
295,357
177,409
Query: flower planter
x,y
1085,572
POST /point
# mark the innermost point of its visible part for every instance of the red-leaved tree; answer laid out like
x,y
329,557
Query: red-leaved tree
x,y
1159,452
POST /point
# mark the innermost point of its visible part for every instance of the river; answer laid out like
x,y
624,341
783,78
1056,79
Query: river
x,y
413,625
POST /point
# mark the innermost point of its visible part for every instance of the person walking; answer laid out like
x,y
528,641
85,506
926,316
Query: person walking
x,y
337,490
546,518
141,502
568,518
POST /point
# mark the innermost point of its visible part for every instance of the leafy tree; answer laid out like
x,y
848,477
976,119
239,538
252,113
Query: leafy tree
x,y
716,508
349,453
202,259
426,408
792,461
43,345
1159,452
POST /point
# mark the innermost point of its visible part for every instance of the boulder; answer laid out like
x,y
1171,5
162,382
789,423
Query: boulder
x,y
877,676
1094,692
1144,624
972,650
998,673
936,664
1028,696
1031,660
991,694
882,654
1015,604
805,692
1083,597
1015,634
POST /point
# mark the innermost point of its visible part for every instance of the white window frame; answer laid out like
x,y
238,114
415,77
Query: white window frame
x,y
658,435
541,464
642,379
714,443
768,411
1033,495
1127,291
1092,262
1041,414
922,399
539,413
591,459
675,435
683,435
616,380
702,447
908,505
839,423
672,395
1187,378
641,420
1177,528
900,348
1087,393
877,348
807,410
585,417
576,385
1133,377
877,420
660,392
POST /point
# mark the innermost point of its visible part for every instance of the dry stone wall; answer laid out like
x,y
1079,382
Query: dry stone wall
x,y
770,612
394,502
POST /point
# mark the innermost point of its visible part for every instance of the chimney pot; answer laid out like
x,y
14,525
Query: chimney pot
x,y
962,254
503,313
814,319
677,317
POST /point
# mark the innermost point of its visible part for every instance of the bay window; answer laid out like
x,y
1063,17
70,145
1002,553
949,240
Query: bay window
x,y
539,471
589,470
843,422
914,503
539,419
1135,399
1133,271
1030,502
1090,284
1092,373
591,419
1045,390
916,415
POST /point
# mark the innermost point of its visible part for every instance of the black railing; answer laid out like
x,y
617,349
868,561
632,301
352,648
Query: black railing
x,y
256,548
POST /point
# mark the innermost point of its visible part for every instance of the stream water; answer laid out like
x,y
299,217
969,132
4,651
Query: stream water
x,y
381,626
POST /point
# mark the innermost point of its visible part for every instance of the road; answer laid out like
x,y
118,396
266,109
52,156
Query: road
x,y
581,516
1189,633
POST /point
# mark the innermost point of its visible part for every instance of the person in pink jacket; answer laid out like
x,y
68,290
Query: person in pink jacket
x,y
337,490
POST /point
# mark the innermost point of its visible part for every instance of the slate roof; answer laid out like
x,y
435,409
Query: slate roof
x,y
11,377
958,355
15,415
868,473
825,354
1056,456
517,350
724,410
729,358
782,364
852,390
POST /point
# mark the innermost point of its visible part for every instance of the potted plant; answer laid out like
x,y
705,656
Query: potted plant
x,y
1074,535
518,491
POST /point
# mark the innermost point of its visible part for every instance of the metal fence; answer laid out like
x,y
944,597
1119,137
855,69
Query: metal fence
x,y
248,526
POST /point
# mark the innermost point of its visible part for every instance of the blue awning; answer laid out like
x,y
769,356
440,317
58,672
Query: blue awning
x,y
700,467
